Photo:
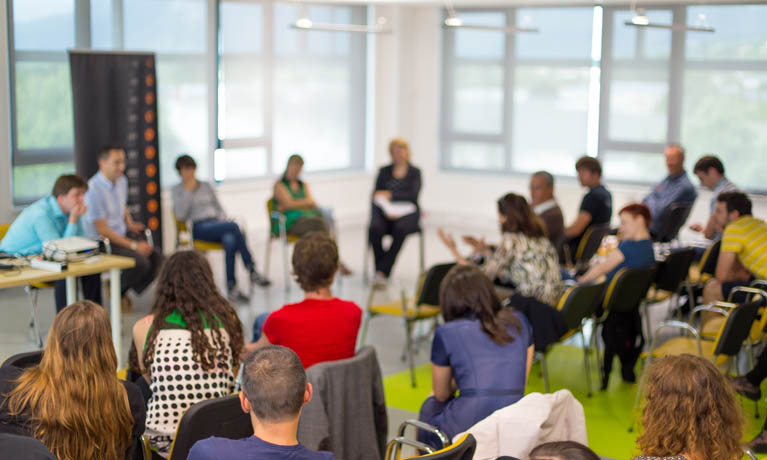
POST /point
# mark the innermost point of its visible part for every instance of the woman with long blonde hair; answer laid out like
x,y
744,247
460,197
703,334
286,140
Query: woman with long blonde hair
x,y
690,412
73,401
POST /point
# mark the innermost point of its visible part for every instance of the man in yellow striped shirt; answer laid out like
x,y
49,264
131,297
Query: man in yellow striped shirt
x,y
743,255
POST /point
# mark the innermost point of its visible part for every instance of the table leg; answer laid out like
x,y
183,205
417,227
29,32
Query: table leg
x,y
116,313
71,290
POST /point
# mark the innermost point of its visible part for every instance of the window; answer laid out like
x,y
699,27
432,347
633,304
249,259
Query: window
x,y
252,54
588,83
505,94
285,91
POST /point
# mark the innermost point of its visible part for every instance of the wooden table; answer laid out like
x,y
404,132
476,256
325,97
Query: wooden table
x,y
99,264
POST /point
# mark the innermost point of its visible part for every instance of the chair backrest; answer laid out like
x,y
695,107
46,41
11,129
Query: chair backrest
x,y
429,292
3,230
222,417
673,219
273,222
579,302
590,242
710,258
735,329
627,289
674,270
462,449
25,360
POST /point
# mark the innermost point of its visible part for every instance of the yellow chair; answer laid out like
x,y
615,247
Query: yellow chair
x,y
462,449
423,306
587,246
701,272
184,238
32,291
727,344
278,218
577,304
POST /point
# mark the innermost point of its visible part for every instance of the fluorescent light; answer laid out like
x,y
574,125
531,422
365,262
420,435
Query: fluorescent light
x,y
377,29
304,23
453,21
640,19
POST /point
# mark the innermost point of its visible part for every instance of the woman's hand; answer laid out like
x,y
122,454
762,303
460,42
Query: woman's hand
x,y
477,244
448,240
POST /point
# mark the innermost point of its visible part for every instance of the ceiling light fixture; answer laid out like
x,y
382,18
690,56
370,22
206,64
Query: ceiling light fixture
x,y
453,21
304,23
640,19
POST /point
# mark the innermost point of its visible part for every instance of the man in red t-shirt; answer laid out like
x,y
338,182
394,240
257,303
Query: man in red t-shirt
x,y
321,327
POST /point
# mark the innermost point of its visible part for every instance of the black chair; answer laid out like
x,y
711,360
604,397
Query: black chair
x,y
424,307
222,417
701,273
672,220
25,360
621,322
588,246
576,304
668,280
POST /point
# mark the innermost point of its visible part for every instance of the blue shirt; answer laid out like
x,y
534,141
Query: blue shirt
x,y
722,186
636,254
41,221
252,448
677,189
108,201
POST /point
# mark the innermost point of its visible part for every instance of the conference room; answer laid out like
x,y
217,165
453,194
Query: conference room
x,y
594,168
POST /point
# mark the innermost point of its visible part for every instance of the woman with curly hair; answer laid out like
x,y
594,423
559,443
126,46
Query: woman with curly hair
x,y
690,412
72,400
189,345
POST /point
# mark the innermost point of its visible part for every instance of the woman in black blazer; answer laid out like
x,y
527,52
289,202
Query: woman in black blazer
x,y
397,182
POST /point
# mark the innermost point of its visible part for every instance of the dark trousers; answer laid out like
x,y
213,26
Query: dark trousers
x,y
381,225
141,276
622,334
91,290
759,372
229,235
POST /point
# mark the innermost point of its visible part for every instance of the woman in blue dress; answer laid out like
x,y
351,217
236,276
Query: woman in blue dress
x,y
483,350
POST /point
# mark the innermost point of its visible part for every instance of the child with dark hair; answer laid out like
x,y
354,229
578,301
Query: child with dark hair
x,y
483,350
274,390
562,450
321,327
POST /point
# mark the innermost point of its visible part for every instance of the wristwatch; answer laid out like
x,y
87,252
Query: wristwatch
x,y
133,245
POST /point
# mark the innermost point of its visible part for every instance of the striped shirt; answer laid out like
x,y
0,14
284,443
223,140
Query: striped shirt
x,y
747,237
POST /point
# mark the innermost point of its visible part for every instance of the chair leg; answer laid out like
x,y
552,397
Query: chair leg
x,y
32,294
587,363
645,305
422,252
285,268
365,263
409,346
545,372
364,332
267,255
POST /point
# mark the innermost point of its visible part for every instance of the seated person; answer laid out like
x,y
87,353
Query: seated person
x,y
742,256
676,188
321,327
596,206
274,390
72,401
50,218
107,216
482,349
562,450
294,200
545,206
710,172
191,334
400,182
635,249
525,261
690,412
196,201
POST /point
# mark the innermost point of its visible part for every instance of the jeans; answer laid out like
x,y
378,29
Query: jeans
x,y
258,326
229,235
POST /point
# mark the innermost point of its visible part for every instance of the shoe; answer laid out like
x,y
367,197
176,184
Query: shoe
x,y
343,269
126,306
234,295
745,388
759,443
380,281
259,280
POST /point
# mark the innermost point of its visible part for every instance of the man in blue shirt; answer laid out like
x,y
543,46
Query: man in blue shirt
x,y
274,389
676,188
50,218
108,217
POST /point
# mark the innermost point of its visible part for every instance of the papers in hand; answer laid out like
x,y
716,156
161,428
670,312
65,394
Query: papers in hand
x,y
394,209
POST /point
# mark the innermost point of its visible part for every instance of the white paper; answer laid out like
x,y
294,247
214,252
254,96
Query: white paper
x,y
395,209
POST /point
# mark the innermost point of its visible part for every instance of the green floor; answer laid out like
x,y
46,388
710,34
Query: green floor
x,y
608,413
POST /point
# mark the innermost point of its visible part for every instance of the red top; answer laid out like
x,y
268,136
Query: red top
x,y
317,330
